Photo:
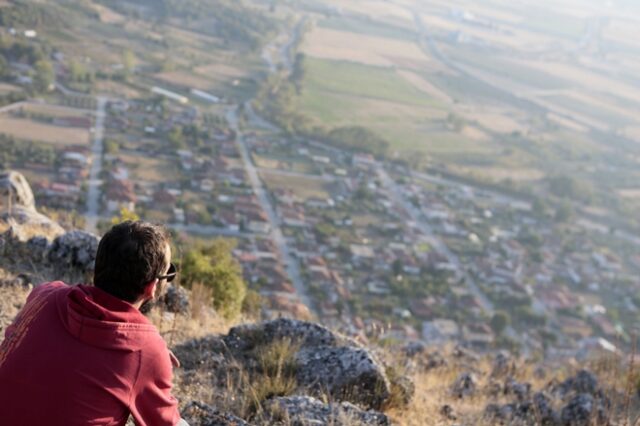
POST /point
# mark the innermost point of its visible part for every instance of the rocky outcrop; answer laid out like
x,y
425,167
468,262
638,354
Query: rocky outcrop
x,y
198,413
15,192
73,251
577,401
464,386
32,239
321,362
304,410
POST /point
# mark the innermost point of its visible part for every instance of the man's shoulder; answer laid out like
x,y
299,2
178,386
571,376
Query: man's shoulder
x,y
45,289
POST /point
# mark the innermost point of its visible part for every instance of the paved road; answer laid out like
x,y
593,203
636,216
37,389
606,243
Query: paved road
x,y
93,195
396,193
290,263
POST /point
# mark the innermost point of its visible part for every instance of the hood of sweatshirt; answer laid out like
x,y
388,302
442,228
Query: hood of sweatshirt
x,y
97,318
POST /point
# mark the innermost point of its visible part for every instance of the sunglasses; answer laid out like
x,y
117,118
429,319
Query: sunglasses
x,y
170,275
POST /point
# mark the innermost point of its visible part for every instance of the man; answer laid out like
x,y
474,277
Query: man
x,y
86,355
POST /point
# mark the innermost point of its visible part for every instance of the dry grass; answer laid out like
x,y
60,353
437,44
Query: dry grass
x,y
425,86
32,130
182,78
368,50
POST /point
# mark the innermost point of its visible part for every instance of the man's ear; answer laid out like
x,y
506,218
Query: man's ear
x,y
150,289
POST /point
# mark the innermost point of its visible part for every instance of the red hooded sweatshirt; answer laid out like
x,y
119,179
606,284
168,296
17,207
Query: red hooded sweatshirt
x,y
76,355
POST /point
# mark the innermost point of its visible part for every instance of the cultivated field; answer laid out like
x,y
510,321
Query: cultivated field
x,y
35,131
325,43
302,187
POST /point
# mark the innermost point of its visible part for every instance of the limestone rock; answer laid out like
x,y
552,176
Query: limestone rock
x,y
465,385
346,373
74,253
198,413
584,409
15,191
502,365
305,411
176,299
324,362
582,382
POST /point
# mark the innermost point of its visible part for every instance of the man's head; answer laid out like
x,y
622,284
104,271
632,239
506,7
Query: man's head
x,y
131,256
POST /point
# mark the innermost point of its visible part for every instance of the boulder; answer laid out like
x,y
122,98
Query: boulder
x,y
200,414
514,388
176,299
305,411
73,254
465,385
448,412
322,362
15,191
582,382
502,365
307,334
346,373
584,409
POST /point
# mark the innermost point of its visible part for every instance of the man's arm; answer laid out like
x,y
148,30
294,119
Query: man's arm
x,y
151,401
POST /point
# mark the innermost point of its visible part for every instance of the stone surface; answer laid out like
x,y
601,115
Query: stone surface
x,y
306,411
582,382
346,373
324,362
15,191
199,414
176,300
464,386
502,365
520,391
73,253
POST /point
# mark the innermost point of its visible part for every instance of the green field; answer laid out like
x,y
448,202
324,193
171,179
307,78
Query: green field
x,y
360,81
338,93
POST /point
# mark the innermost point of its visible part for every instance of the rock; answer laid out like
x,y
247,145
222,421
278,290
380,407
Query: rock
x,y
73,254
465,385
346,373
413,349
402,389
435,360
545,412
176,299
198,413
584,409
537,411
463,353
502,365
323,363
15,191
37,247
205,353
20,226
520,390
307,334
448,412
306,411
582,382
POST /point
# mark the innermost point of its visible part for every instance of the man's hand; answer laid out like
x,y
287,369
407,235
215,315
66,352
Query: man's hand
x,y
174,361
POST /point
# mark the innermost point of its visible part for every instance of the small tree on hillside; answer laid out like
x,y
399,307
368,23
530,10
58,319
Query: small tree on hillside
x,y
500,321
215,267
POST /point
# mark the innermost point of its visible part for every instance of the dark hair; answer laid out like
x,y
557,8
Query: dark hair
x,y
129,256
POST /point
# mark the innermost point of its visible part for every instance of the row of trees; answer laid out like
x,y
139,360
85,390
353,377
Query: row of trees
x,y
277,99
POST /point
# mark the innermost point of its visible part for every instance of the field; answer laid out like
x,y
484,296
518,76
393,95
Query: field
x,y
35,131
374,50
151,170
302,187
